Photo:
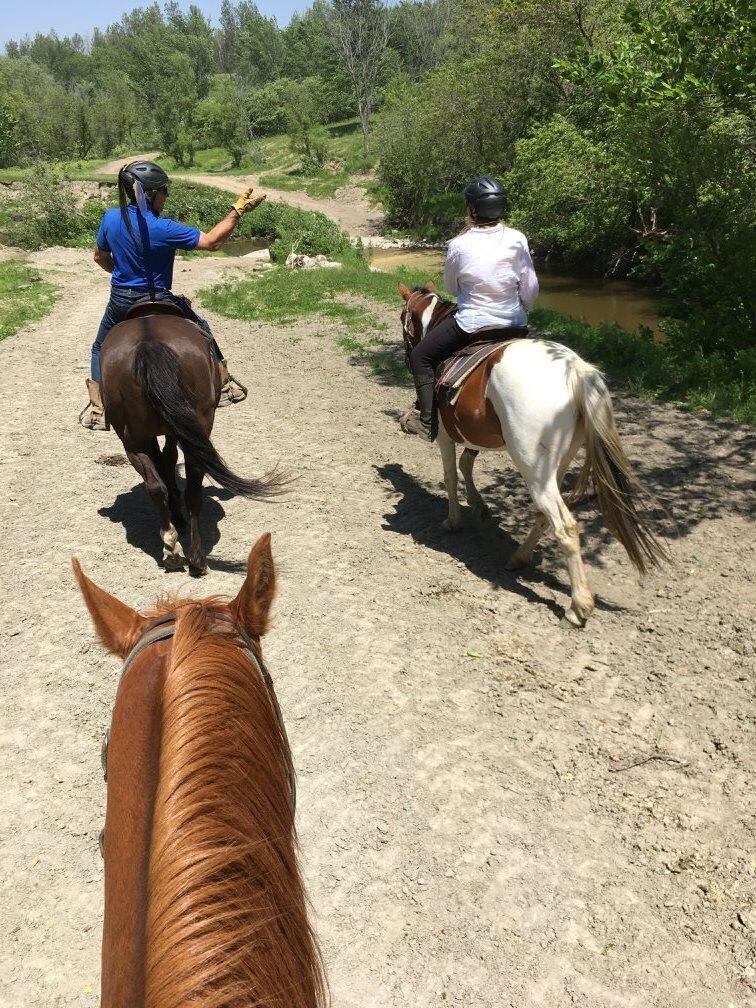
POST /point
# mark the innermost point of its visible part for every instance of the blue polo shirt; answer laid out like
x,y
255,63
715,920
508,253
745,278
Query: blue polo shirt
x,y
165,236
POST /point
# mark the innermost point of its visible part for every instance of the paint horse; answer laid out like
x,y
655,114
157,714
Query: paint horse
x,y
542,403
204,902
159,378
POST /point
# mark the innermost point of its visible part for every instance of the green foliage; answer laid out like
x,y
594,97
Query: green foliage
x,y
569,193
46,214
24,297
681,369
284,295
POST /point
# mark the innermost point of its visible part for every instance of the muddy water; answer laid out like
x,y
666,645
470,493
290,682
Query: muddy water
x,y
588,298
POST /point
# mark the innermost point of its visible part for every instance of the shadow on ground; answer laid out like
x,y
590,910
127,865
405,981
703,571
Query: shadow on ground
x,y
483,547
134,510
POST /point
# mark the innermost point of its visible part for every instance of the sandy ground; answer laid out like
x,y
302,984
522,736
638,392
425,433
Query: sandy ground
x,y
350,207
472,832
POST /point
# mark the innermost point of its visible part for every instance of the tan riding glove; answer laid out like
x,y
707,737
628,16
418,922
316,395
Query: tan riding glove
x,y
247,202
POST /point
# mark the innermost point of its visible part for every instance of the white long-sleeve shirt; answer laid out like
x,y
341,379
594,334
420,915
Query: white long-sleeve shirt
x,y
490,271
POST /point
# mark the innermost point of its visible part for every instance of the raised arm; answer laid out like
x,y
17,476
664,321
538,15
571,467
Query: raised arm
x,y
215,238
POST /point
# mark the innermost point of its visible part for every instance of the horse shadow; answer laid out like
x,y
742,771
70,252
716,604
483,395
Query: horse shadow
x,y
483,547
134,510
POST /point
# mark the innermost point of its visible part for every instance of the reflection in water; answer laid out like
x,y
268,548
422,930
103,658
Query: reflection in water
x,y
588,298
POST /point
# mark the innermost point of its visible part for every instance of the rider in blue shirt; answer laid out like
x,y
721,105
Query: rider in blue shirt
x,y
137,247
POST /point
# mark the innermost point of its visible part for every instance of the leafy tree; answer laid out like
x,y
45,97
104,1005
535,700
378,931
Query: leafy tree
x,y
221,117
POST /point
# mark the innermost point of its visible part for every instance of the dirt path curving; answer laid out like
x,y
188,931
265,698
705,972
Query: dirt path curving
x,y
472,831
350,207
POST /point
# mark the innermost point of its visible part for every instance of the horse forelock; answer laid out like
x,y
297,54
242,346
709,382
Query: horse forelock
x,y
227,921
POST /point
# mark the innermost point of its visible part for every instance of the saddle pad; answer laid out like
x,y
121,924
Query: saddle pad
x,y
461,366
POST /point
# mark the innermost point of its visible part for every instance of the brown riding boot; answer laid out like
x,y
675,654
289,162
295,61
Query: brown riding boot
x,y
232,390
93,415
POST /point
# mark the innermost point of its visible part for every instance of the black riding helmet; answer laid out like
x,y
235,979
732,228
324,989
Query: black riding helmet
x,y
488,198
148,173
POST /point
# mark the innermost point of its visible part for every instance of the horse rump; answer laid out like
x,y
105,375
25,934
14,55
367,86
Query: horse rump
x,y
157,370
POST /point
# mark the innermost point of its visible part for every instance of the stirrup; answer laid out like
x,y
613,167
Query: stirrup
x,y
226,396
103,425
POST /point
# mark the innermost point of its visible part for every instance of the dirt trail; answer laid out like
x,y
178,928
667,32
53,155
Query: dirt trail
x,y
469,835
350,207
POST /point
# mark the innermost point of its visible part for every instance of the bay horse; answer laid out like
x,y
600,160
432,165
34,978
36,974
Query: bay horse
x,y
540,402
204,901
159,378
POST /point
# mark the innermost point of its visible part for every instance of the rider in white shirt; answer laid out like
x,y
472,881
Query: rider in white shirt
x,y
489,269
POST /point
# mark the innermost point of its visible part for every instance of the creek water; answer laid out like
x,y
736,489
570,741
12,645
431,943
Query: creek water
x,y
589,298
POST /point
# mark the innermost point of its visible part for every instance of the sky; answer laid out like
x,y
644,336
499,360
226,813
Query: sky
x,y
19,19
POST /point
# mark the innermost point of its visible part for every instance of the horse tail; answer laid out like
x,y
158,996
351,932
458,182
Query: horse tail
x,y
618,489
157,370
227,920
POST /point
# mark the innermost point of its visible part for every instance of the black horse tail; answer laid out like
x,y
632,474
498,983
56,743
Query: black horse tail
x,y
157,370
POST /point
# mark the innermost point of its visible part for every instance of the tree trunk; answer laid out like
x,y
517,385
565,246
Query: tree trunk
x,y
364,115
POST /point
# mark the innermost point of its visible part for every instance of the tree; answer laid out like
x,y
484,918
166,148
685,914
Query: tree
x,y
360,29
221,117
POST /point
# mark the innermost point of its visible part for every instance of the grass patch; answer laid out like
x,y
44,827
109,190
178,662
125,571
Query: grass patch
x,y
678,371
284,296
24,296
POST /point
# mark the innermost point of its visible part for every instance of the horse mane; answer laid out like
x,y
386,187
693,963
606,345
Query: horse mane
x,y
227,915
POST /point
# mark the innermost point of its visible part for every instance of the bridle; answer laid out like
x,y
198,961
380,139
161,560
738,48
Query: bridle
x,y
409,335
164,628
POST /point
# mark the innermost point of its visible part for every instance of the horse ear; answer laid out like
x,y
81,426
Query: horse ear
x,y
430,287
251,607
118,626
404,291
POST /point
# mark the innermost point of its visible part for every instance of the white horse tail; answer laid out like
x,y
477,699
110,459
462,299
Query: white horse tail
x,y
618,489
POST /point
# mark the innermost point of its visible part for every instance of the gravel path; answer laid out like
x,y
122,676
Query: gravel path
x,y
472,832
349,207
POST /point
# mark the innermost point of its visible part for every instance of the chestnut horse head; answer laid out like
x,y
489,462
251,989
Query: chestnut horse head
x,y
423,309
204,902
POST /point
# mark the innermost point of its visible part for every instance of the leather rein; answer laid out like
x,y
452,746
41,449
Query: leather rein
x,y
163,629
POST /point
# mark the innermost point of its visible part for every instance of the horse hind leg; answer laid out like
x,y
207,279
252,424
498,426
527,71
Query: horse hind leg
x,y
551,505
523,556
476,502
148,465
193,497
168,459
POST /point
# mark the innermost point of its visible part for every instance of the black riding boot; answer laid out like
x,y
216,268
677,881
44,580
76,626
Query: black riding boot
x,y
421,425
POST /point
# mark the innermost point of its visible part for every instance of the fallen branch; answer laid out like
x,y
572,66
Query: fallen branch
x,y
664,757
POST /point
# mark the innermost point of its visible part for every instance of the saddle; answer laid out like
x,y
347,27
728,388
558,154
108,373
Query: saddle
x,y
147,307
461,384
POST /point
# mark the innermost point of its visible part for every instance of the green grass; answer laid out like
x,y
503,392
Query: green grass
x,y
24,297
284,296
676,371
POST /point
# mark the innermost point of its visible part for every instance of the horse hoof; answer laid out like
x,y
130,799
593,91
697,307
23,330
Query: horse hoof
x,y
482,512
198,571
572,620
173,563
451,526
